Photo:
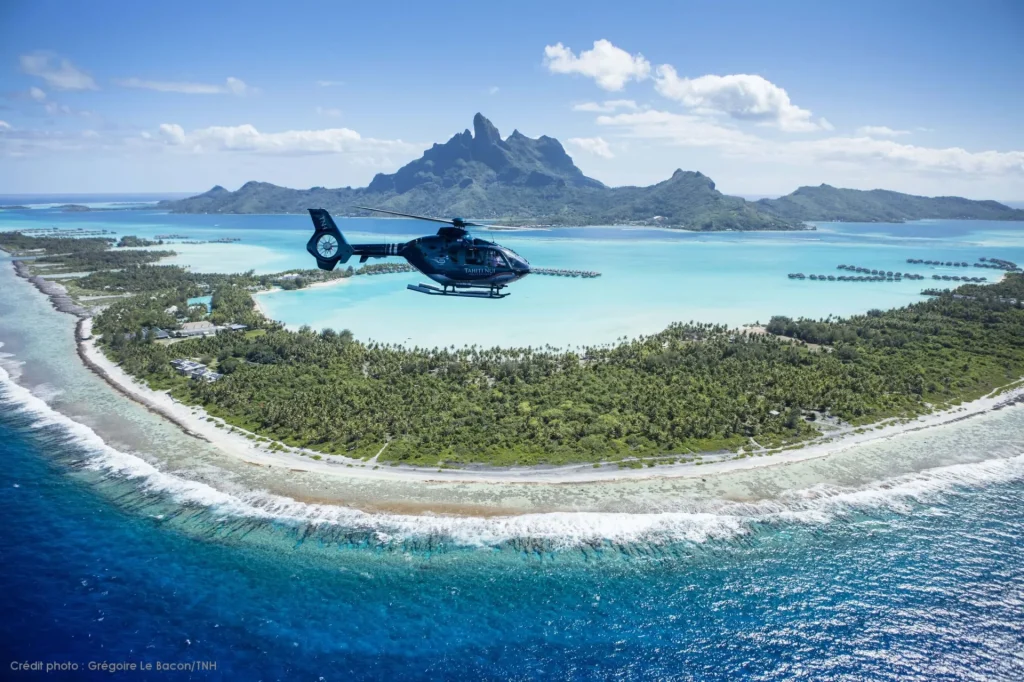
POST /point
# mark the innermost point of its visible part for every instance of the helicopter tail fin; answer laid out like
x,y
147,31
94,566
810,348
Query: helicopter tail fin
x,y
327,244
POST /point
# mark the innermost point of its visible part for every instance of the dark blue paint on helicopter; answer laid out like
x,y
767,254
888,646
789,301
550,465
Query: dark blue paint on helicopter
x,y
461,264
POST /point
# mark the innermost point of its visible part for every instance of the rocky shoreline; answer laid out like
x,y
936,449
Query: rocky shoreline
x,y
56,292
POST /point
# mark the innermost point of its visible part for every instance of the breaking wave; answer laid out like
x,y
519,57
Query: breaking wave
x,y
688,523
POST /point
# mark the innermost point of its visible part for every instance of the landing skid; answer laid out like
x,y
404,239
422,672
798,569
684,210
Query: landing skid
x,y
434,291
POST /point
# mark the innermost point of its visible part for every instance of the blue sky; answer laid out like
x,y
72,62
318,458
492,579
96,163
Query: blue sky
x,y
922,97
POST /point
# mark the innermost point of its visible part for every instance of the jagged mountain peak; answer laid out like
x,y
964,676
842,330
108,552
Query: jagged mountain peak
x,y
482,158
484,130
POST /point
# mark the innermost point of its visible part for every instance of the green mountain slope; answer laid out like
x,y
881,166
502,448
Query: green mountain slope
x,y
878,205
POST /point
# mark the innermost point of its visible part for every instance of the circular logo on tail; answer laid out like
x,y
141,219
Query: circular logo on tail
x,y
327,246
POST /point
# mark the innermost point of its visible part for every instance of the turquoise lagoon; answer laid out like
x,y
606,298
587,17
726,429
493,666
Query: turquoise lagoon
x,y
650,277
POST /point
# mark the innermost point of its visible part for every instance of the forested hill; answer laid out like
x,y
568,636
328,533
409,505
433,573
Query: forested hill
x,y
878,205
517,179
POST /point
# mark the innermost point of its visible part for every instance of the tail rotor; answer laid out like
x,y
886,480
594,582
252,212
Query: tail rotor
x,y
327,244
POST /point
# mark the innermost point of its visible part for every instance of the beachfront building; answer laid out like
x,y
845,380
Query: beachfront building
x,y
187,367
195,370
201,328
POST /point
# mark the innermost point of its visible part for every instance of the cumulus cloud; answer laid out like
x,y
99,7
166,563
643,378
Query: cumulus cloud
x,y
172,133
592,145
741,96
880,131
607,106
57,71
611,67
37,94
231,86
246,138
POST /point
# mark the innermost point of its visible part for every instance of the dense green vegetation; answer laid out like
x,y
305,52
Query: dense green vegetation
x,y
20,244
851,205
103,260
132,240
688,389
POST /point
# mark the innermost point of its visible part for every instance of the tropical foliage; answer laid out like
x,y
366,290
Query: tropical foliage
x,y
690,388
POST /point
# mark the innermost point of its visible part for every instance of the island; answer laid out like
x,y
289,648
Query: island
x,y
669,398
133,241
524,181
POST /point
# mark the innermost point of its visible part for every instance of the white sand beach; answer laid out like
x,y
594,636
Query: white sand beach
x,y
273,290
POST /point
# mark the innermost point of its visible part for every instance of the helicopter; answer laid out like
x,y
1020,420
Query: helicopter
x,y
462,265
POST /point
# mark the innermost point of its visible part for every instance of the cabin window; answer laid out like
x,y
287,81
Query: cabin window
x,y
475,257
496,259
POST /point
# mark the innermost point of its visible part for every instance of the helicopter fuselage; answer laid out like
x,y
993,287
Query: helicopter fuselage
x,y
462,261
452,257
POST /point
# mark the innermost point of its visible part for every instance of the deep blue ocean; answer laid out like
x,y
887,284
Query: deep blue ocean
x,y
935,591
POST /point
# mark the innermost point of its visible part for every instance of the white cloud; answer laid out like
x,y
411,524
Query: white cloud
x,y
53,108
172,133
611,67
4,125
880,131
592,145
231,86
493,90
866,150
866,153
332,113
679,129
741,96
608,106
57,71
329,84
246,138
36,93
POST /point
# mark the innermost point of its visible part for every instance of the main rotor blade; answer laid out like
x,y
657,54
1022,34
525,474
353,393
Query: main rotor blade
x,y
408,215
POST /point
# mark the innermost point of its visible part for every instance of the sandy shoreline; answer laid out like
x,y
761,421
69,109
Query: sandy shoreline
x,y
273,290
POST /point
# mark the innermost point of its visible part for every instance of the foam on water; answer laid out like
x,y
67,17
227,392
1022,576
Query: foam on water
x,y
688,521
